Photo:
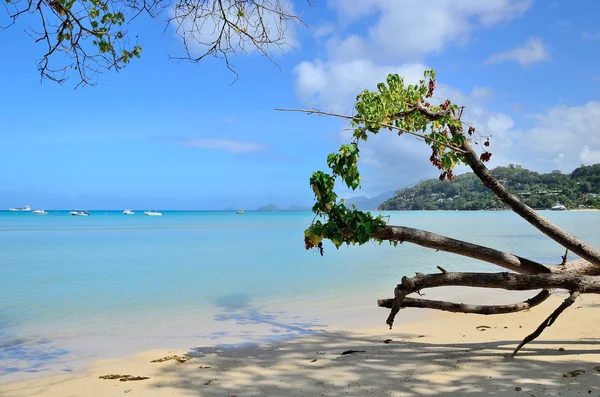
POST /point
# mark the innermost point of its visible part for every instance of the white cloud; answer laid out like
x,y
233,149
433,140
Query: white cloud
x,y
482,94
334,85
567,130
227,145
407,30
588,156
533,51
323,30
398,34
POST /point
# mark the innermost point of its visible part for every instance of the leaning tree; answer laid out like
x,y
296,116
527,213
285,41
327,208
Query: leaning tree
x,y
408,109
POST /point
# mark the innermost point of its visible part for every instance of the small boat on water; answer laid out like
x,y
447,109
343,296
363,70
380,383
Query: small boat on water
x,y
24,209
39,212
558,207
128,212
153,213
240,211
79,213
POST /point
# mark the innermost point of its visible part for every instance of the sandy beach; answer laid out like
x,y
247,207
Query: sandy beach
x,y
436,354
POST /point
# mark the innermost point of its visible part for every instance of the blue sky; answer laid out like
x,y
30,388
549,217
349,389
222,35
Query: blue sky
x,y
164,134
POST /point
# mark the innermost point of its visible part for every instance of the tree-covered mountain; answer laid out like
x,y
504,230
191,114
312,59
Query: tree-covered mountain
x,y
579,189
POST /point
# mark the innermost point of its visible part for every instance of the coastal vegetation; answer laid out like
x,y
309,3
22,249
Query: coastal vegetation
x,y
579,189
395,107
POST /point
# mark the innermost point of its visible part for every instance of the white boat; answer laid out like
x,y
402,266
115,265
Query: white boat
x,y
153,213
24,209
79,213
39,212
558,207
240,211
128,212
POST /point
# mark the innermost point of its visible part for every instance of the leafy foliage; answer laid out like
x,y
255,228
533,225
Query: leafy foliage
x,y
342,225
540,191
397,107
86,37
80,35
406,109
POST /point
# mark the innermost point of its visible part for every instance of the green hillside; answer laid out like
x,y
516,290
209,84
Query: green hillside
x,y
579,189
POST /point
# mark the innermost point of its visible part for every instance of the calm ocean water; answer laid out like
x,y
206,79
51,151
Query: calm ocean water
x,y
79,288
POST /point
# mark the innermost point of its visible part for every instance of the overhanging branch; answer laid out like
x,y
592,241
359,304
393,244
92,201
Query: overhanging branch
x,y
383,125
447,244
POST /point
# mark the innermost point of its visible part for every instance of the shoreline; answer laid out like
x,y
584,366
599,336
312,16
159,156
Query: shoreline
x,y
236,320
430,353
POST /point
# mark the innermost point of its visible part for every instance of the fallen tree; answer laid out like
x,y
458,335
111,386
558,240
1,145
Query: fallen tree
x,y
405,109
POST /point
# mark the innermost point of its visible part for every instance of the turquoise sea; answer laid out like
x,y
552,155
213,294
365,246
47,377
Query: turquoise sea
x,y
74,289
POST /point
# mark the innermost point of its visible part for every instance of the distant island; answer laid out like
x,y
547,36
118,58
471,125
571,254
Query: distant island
x,y
268,207
577,190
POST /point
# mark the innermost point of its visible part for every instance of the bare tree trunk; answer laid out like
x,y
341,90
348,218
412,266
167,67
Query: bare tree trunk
x,y
443,243
565,239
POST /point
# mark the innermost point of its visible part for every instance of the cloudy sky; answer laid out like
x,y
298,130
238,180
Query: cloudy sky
x,y
164,134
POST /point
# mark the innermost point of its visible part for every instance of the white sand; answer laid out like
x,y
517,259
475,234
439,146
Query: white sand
x,y
438,354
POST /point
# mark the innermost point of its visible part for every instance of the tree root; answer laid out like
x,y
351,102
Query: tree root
x,y
549,321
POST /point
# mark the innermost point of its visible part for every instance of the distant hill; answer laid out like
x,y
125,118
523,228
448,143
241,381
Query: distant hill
x,y
368,204
579,189
269,207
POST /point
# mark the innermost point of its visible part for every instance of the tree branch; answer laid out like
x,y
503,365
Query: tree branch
x,y
549,321
425,111
467,308
565,239
508,281
562,237
383,125
579,266
447,244
222,28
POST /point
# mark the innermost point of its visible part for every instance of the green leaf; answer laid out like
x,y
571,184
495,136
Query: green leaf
x,y
343,225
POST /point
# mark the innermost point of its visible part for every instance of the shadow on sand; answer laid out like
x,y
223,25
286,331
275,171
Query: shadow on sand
x,y
313,365
26,355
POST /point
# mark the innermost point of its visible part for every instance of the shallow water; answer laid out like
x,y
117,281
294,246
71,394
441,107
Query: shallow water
x,y
78,288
